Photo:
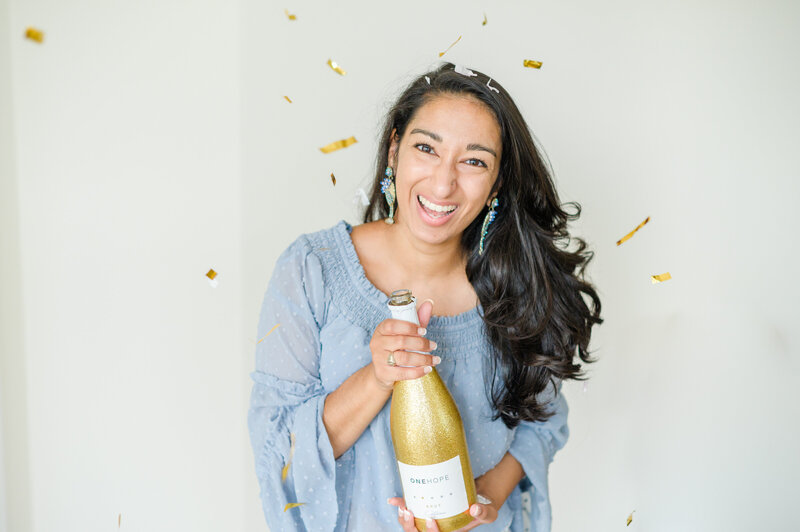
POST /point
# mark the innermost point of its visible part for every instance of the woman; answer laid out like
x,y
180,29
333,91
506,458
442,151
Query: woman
x,y
463,212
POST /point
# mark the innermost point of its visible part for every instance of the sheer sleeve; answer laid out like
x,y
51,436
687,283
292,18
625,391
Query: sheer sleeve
x,y
288,398
534,446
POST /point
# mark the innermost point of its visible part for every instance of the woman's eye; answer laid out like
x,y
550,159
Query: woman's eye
x,y
476,162
424,147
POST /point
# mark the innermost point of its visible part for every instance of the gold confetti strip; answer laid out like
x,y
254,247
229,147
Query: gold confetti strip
x,y
289,15
485,20
287,99
448,48
333,179
660,278
626,237
35,35
335,66
270,332
285,471
630,519
530,63
292,505
338,145
119,521
211,274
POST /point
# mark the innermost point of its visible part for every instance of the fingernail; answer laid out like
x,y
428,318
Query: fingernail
x,y
407,514
399,512
475,511
429,299
427,369
436,360
422,331
433,345
428,523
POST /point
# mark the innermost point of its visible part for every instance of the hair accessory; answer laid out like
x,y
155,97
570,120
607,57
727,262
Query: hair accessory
x,y
492,88
387,187
464,71
490,216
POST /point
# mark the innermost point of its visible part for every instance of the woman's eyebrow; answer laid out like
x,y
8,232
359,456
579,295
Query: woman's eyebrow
x,y
434,136
437,138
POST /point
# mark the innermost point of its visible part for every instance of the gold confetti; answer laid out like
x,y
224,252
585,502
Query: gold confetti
x,y
292,505
335,66
333,179
448,48
630,519
119,521
660,278
285,471
35,35
211,274
485,20
626,237
287,99
270,332
530,63
289,15
338,145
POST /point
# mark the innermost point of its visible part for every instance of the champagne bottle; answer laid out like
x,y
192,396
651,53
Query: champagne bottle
x,y
429,442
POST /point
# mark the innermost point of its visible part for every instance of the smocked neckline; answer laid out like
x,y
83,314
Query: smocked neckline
x,y
364,305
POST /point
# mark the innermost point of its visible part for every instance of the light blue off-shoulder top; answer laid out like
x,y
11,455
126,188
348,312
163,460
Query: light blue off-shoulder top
x,y
326,310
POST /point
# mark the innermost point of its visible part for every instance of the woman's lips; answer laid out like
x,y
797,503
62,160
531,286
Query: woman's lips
x,y
432,217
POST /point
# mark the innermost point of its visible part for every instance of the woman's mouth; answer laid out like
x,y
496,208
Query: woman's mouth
x,y
435,211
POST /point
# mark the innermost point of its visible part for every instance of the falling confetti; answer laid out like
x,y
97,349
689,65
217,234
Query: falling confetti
x,y
585,386
489,84
335,66
285,471
119,521
362,196
287,99
530,63
626,237
333,179
292,505
212,278
35,35
338,145
464,71
660,278
289,15
270,332
428,80
485,20
630,519
448,48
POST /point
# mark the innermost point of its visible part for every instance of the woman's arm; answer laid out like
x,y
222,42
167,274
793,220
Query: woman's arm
x,y
498,483
354,404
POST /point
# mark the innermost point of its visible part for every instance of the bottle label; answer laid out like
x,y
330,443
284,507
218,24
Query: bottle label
x,y
434,491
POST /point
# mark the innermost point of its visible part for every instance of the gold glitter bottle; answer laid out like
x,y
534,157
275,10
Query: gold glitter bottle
x,y
429,442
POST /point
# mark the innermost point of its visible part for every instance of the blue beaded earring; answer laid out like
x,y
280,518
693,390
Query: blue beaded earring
x,y
387,187
490,216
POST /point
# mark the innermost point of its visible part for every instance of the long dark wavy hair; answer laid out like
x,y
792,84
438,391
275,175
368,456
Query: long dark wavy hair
x,y
537,307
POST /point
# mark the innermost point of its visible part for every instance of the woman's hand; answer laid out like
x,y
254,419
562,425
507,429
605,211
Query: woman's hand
x,y
396,338
481,513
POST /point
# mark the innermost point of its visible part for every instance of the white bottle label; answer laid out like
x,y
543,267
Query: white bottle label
x,y
434,491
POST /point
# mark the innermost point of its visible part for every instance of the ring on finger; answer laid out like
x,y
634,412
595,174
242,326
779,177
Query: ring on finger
x,y
390,359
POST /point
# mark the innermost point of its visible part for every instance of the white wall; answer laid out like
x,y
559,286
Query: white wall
x,y
150,142
686,112
127,149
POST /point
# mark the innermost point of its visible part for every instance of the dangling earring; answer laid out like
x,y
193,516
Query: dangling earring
x,y
490,216
387,187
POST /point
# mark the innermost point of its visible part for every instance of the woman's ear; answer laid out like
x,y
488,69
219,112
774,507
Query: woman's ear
x,y
393,147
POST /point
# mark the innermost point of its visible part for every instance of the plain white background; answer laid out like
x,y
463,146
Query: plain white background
x,y
143,144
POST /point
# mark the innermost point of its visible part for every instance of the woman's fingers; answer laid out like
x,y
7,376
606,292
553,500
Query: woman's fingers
x,y
404,517
404,358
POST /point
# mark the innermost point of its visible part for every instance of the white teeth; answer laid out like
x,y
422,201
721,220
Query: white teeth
x,y
434,207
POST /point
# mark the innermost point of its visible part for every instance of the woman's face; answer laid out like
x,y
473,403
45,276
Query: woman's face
x,y
445,167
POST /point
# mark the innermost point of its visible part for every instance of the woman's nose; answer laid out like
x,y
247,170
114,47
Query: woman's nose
x,y
444,178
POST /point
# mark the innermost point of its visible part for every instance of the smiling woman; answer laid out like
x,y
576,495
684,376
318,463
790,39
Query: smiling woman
x,y
478,228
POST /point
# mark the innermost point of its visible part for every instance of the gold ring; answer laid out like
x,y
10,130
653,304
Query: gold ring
x,y
390,360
